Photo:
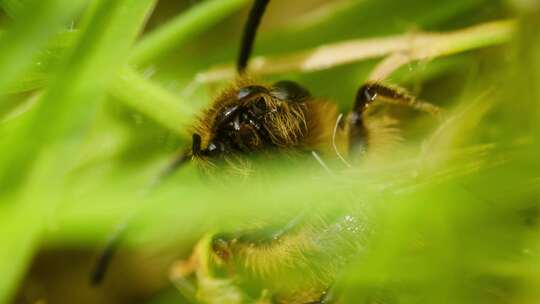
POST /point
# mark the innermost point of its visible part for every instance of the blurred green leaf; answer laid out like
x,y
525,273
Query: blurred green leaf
x,y
110,27
449,215
84,75
12,7
153,101
38,21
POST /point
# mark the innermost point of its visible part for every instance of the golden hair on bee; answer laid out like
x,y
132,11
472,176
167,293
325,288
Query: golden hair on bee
x,y
297,264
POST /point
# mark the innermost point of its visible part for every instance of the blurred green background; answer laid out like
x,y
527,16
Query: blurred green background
x,y
97,96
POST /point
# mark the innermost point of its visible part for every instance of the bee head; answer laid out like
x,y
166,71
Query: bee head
x,y
251,118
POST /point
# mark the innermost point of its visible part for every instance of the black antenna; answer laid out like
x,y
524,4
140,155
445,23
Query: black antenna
x,y
250,29
102,264
107,254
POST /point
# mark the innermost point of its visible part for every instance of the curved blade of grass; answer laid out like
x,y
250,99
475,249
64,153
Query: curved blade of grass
x,y
479,36
39,21
179,30
110,28
420,46
38,74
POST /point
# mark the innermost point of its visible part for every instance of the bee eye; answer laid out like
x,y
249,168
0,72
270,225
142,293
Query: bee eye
x,y
289,90
250,91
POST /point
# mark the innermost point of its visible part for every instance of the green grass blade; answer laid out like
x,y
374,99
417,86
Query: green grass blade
x,y
153,101
39,21
183,27
96,58
110,28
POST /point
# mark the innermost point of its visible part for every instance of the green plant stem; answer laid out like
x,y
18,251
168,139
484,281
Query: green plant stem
x,y
416,46
175,33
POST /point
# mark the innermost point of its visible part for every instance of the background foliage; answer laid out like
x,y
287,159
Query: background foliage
x,y
97,96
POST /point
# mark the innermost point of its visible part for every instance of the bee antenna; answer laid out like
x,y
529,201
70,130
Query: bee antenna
x,y
250,30
338,120
107,254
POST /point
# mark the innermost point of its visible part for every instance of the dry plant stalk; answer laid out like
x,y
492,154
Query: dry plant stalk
x,y
400,50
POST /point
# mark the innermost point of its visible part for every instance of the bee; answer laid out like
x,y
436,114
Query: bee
x,y
254,118
283,118
270,265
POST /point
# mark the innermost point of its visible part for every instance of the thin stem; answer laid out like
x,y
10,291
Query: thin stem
x,y
417,46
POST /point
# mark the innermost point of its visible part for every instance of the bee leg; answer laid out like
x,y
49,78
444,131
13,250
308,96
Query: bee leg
x,y
104,259
103,262
174,165
357,127
375,92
